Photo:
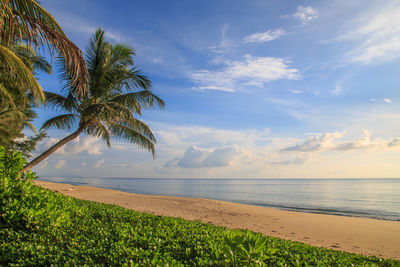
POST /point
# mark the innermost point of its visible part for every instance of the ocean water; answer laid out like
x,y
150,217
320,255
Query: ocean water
x,y
373,198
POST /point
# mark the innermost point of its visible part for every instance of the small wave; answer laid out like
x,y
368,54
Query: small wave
x,y
331,211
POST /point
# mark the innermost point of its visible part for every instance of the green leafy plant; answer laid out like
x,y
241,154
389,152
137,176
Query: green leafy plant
x,y
23,205
39,227
247,249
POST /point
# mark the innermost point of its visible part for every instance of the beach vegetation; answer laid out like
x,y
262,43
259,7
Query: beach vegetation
x,y
116,91
39,227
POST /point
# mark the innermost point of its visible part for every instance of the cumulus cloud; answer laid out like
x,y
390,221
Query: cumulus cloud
x,y
377,34
223,156
253,71
366,142
88,144
327,142
262,37
98,163
304,14
315,143
195,157
60,164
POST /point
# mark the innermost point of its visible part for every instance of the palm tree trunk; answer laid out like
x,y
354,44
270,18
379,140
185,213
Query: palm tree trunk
x,y
52,149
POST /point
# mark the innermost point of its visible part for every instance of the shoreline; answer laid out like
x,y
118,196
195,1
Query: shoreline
x,y
352,234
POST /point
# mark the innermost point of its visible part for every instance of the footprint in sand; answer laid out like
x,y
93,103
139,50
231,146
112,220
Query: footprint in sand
x,y
336,245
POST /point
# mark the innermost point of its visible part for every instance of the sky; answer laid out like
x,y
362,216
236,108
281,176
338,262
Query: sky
x,y
253,89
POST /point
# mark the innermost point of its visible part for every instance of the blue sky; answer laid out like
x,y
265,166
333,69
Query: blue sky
x,y
253,89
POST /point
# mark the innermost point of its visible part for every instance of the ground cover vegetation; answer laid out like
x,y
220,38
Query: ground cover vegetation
x,y
41,227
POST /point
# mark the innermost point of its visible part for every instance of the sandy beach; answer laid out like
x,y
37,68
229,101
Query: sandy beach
x,y
359,235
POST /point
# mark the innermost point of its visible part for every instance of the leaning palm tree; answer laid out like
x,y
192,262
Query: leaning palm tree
x,y
117,90
27,21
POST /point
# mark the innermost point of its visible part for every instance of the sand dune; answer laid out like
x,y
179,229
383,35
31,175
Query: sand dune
x,y
360,235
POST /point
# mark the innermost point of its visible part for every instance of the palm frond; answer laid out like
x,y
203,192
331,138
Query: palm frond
x,y
6,97
96,128
11,114
73,58
30,56
143,98
62,122
36,26
20,69
138,80
30,126
125,133
60,102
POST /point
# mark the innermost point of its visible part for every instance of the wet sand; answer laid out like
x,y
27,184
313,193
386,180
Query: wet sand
x,y
359,235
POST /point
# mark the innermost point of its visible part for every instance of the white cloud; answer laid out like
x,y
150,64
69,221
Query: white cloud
x,y
262,37
60,164
88,144
224,43
195,157
315,143
212,87
304,14
387,100
223,156
365,142
327,142
338,90
377,33
98,163
252,71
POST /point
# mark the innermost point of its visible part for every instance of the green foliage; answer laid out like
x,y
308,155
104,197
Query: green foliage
x,y
27,144
39,227
21,203
16,104
246,249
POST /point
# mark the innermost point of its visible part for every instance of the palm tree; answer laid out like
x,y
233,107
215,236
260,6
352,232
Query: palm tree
x,y
27,21
15,104
117,90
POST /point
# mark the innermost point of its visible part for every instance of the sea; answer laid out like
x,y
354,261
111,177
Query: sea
x,y
377,198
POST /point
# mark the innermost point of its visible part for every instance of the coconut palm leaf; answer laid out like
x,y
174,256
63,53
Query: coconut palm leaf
x,y
60,102
61,122
32,23
132,136
22,71
5,96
